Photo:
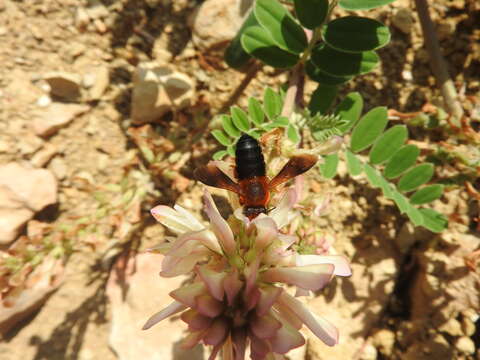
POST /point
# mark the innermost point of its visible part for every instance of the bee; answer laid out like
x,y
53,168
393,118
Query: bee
x,y
252,186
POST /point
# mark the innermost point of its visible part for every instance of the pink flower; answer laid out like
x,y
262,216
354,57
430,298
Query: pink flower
x,y
236,299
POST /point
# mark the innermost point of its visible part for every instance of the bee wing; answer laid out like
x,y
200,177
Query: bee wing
x,y
211,175
295,166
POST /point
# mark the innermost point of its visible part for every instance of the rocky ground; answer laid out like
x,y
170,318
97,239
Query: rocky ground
x,y
104,111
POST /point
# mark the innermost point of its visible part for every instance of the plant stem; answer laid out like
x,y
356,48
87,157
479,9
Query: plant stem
x,y
438,63
294,93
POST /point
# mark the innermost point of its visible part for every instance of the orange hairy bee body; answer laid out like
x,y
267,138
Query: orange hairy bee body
x,y
252,186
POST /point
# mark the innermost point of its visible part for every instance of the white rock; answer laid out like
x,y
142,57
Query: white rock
x,y
158,90
36,188
403,20
135,296
217,21
59,168
13,215
64,85
49,120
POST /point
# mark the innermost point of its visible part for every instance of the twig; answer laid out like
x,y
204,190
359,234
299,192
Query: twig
x,y
438,63
294,95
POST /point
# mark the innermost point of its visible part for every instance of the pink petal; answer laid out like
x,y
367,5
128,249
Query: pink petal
x,y
267,231
251,274
301,292
342,266
174,266
175,221
232,285
189,217
205,237
286,315
195,320
323,329
217,332
193,339
281,214
214,353
187,294
219,226
258,348
213,280
264,327
268,296
310,277
286,339
208,306
251,300
171,309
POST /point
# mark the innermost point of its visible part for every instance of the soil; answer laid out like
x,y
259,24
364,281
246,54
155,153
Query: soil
x,y
95,149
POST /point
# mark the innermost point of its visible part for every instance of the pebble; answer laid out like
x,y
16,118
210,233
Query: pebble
x,y
44,101
384,340
97,81
403,20
43,156
64,85
465,345
58,168
49,120
452,327
13,215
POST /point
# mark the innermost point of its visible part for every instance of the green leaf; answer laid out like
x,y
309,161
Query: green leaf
x,y
255,134
329,167
354,165
372,175
414,215
388,144
240,118
258,43
272,103
370,126
284,30
322,99
235,55
292,134
403,160
229,127
433,220
221,137
338,63
311,13
415,177
356,34
401,201
427,194
231,150
363,4
349,110
255,111
219,155
281,121
321,77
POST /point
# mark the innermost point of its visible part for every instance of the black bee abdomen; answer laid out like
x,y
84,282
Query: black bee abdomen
x,y
248,158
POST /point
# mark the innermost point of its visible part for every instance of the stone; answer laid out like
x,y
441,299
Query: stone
x,y
97,81
158,90
64,85
217,21
36,188
402,19
452,327
135,293
58,168
48,121
43,156
465,345
13,215
32,294
356,304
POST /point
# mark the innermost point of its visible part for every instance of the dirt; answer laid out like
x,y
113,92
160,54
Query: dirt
x,y
95,150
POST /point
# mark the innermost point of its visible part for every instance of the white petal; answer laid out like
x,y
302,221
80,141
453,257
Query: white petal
x,y
219,226
342,266
175,221
171,309
282,214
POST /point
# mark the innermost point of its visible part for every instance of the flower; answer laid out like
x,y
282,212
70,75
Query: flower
x,y
236,298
